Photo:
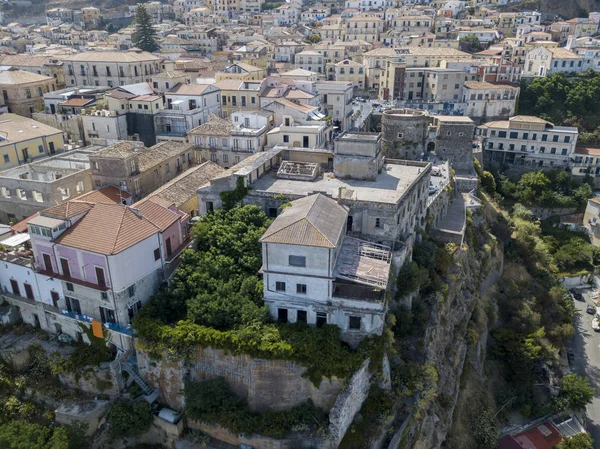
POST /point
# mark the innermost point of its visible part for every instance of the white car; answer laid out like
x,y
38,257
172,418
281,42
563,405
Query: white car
x,y
596,324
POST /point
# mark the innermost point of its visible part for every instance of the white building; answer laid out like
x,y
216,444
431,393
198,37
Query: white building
x,y
229,141
314,273
545,61
529,142
187,106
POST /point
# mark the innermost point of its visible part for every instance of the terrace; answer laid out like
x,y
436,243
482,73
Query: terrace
x,y
364,263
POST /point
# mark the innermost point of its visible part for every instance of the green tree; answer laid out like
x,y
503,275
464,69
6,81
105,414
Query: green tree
x,y
314,39
488,182
128,419
579,441
144,37
470,44
575,392
25,435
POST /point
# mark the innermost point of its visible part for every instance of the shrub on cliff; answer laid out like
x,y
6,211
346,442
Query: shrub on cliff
x,y
128,420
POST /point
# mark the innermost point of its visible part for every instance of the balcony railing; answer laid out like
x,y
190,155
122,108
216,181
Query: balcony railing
x,y
72,280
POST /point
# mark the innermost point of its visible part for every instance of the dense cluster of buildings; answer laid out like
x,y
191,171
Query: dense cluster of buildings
x,y
338,108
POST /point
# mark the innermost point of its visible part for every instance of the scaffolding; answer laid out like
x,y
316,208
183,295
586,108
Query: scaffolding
x,y
364,262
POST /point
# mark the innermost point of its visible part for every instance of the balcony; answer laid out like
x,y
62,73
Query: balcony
x,y
72,280
128,330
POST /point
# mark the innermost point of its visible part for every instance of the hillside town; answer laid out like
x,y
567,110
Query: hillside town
x,y
328,224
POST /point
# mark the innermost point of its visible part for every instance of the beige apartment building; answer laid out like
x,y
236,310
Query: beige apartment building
x,y
23,92
111,68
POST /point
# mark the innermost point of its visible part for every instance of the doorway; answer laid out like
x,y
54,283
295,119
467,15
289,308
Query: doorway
x,y
282,315
169,249
64,263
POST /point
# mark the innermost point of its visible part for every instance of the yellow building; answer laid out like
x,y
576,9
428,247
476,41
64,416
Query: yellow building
x,y
23,92
352,72
364,28
242,71
237,95
23,140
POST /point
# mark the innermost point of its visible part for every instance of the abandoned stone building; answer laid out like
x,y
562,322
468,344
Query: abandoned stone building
x,y
368,206
414,134
30,188
314,272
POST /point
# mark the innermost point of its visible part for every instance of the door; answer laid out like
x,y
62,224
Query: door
x,y
282,315
28,291
321,319
305,141
52,150
349,221
48,263
15,287
25,152
53,109
100,276
169,249
301,316
64,263
55,297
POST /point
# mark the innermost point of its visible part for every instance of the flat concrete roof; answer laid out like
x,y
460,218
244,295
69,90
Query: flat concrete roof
x,y
360,136
389,187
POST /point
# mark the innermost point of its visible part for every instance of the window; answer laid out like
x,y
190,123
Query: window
x,y
28,93
554,138
544,137
567,139
279,286
40,91
225,158
104,295
301,289
514,135
107,315
15,287
157,254
73,305
354,323
297,261
6,158
28,290
502,134
564,152
286,138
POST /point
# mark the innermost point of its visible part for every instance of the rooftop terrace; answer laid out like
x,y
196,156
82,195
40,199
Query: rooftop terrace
x,y
389,187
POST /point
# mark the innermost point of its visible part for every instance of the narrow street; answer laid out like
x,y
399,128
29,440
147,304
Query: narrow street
x,y
586,361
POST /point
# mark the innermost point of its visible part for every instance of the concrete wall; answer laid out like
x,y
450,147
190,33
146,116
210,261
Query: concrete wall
x,y
265,384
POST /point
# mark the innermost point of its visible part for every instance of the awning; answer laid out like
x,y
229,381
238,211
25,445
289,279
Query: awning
x,y
15,240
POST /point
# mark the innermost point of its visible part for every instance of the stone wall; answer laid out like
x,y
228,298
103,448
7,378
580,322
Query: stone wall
x,y
404,133
349,402
265,384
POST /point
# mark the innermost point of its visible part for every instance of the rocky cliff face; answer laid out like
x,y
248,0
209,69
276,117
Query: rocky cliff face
x,y
569,9
456,335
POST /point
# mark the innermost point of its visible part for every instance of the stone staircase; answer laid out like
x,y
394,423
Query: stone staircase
x,y
130,367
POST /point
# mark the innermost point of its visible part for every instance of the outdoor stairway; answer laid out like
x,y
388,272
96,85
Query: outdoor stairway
x,y
130,367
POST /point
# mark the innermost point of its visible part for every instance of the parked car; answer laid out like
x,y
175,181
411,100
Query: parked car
x,y
435,171
432,189
590,309
596,324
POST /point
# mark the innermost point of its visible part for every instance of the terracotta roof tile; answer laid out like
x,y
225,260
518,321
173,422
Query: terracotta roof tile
x,y
108,229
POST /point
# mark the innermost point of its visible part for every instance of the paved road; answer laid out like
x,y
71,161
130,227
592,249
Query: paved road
x,y
586,348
